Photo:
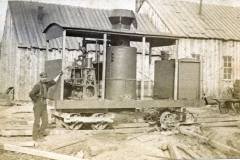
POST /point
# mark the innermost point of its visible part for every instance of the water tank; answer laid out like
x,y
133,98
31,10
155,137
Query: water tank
x,y
121,73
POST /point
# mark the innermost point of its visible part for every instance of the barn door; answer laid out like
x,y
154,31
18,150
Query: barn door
x,y
164,79
189,80
53,68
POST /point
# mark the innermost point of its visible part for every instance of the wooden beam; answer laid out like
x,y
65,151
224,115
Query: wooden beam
x,y
176,73
216,119
221,147
47,50
104,64
132,130
173,151
63,60
68,144
132,125
221,124
149,70
143,66
36,152
188,151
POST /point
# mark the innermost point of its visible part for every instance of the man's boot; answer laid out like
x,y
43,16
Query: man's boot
x,y
41,137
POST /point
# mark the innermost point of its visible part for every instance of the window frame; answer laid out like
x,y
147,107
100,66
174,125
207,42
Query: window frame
x,y
227,67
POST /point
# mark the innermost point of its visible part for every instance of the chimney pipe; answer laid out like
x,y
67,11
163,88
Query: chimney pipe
x,y
40,13
200,8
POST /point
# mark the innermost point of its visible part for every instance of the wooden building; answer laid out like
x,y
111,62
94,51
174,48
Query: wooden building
x,y
210,34
23,50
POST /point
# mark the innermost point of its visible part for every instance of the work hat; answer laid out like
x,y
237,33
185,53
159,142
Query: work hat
x,y
43,74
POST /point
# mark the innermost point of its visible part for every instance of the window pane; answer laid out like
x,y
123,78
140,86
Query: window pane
x,y
229,65
225,76
225,64
225,58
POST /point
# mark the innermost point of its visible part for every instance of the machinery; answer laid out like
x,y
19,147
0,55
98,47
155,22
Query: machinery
x,y
86,97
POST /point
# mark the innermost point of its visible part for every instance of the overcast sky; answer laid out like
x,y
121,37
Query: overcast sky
x,y
103,4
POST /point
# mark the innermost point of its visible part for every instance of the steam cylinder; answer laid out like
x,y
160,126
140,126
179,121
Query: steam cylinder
x,y
121,73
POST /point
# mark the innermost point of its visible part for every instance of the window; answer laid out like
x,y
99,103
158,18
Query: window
x,y
227,68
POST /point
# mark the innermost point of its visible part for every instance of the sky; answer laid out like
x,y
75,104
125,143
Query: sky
x,y
104,4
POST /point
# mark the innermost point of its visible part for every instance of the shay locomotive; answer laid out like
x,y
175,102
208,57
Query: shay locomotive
x,y
91,86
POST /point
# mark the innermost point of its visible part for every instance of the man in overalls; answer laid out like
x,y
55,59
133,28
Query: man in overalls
x,y
39,95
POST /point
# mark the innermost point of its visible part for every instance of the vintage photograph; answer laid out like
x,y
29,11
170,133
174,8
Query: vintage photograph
x,y
119,79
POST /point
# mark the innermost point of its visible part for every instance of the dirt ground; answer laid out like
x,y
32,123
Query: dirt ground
x,y
108,145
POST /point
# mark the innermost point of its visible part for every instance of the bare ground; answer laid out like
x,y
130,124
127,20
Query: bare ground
x,y
111,146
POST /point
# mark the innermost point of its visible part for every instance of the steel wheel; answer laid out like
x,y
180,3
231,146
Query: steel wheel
x,y
224,107
151,115
167,118
59,122
75,125
99,125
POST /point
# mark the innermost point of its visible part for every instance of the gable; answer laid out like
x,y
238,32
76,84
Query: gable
x,y
183,19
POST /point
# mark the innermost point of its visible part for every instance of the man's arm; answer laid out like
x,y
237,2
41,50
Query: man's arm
x,y
58,76
34,93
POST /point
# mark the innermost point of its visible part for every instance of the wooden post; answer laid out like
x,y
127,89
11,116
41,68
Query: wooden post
x,y
176,72
149,71
143,58
104,64
47,49
63,53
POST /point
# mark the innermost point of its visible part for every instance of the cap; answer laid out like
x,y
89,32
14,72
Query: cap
x,y
43,74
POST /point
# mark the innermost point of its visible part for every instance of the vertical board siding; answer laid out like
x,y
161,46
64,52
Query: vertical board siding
x,y
212,52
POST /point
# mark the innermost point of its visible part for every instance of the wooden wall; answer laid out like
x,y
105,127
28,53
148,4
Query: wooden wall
x,y
211,55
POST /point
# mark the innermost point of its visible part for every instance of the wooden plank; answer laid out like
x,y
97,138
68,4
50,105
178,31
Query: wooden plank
x,y
221,147
23,144
224,148
71,104
173,151
68,144
188,151
221,124
21,127
216,119
132,130
29,132
36,152
132,125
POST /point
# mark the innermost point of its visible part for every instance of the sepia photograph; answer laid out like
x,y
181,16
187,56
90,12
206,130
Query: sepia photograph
x,y
119,79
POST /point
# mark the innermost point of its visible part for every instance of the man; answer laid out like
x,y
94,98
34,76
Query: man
x,y
39,95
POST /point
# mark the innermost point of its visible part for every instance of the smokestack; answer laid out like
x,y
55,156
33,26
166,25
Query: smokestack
x,y
40,13
121,19
200,8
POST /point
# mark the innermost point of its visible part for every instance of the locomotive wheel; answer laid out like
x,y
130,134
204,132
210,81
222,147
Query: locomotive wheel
x,y
189,118
59,122
224,107
99,125
151,114
74,125
167,118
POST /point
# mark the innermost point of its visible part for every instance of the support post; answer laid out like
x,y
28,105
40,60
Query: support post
x,y
63,53
47,49
176,72
149,70
104,64
143,59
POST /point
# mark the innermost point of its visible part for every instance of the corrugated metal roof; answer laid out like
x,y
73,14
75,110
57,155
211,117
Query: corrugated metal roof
x,y
29,28
183,19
